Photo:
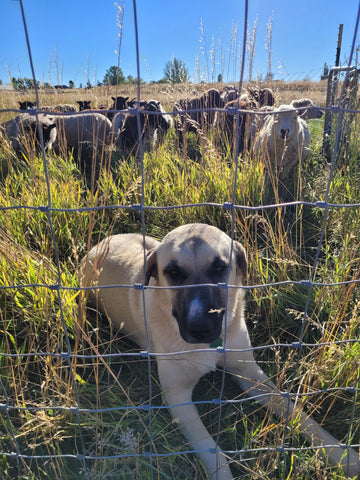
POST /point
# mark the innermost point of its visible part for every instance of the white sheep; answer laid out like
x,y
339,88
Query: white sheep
x,y
117,124
63,108
23,133
88,129
283,140
307,111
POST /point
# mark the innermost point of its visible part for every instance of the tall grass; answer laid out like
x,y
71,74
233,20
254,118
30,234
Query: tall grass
x,y
281,245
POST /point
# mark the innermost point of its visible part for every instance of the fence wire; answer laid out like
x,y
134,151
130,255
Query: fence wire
x,y
79,450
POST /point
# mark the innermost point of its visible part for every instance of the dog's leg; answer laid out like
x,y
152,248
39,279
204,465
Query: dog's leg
x,y
178,379
257,384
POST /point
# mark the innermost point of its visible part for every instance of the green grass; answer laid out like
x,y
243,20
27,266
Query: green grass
x,y
281,246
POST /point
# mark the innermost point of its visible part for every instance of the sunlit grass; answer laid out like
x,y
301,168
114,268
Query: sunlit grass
x,y
281,244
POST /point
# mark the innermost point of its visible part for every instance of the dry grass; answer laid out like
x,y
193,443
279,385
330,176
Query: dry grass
x,y
166,94
281,246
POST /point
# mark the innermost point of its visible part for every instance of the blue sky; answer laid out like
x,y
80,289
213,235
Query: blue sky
x,y
81,37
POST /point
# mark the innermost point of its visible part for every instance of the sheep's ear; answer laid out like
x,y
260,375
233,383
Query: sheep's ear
x,y
113,98
151,266
241,260
301,112
301,103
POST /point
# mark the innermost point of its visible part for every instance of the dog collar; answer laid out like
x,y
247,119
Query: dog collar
x,y
217,343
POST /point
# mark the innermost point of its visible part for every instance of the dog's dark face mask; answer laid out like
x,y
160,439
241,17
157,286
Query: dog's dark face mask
x,y
197,261
199,310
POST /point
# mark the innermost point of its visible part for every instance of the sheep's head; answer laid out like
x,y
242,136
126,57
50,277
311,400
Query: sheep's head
x,y
285,122
263,96
84,105
119,103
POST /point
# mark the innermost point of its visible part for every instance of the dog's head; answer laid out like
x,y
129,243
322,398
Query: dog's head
x,y
196,258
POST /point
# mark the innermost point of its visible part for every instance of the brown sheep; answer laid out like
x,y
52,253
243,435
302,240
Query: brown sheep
x,y
202,116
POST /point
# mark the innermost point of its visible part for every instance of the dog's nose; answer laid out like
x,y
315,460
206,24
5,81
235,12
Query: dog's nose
x,y
195,308
284,132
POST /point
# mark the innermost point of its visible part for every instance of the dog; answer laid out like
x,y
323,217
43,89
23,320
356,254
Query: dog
x,y
181,285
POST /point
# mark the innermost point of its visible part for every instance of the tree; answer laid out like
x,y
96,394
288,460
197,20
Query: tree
x,y
175,71
18,83
24,83
133,80
71,84
114,76
130,79
29,83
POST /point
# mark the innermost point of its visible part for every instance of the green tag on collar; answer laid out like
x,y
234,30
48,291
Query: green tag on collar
x,y
217,343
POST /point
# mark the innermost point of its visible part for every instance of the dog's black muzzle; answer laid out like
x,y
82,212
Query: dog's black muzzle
x,y
199,312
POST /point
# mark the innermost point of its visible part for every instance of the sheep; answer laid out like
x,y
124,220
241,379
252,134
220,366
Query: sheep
x,y
262,96
310,112
83,131
153,126
257,122
64,108
84,105
227,123
23,133
253,100
117,124
265,100
284,139
306,113
167,121
211,99
119,103
27,105
22,130
203,119
229,94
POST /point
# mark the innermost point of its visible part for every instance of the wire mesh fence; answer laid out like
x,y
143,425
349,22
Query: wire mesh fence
x,y
78,400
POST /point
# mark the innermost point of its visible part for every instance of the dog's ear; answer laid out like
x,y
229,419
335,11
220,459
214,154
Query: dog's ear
x,y
241,260
151,265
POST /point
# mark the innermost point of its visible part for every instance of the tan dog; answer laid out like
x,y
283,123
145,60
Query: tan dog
x,y
184,317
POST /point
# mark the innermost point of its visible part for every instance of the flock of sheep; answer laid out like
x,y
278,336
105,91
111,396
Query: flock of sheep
x,y
250,121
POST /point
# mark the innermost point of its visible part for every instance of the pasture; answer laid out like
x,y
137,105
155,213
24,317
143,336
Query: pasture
x,y
73,406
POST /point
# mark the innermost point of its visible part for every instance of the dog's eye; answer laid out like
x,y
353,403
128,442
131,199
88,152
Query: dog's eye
x,y
174,273
218,270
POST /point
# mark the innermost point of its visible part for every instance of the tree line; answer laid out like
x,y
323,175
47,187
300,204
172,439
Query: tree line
x,y
174,72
